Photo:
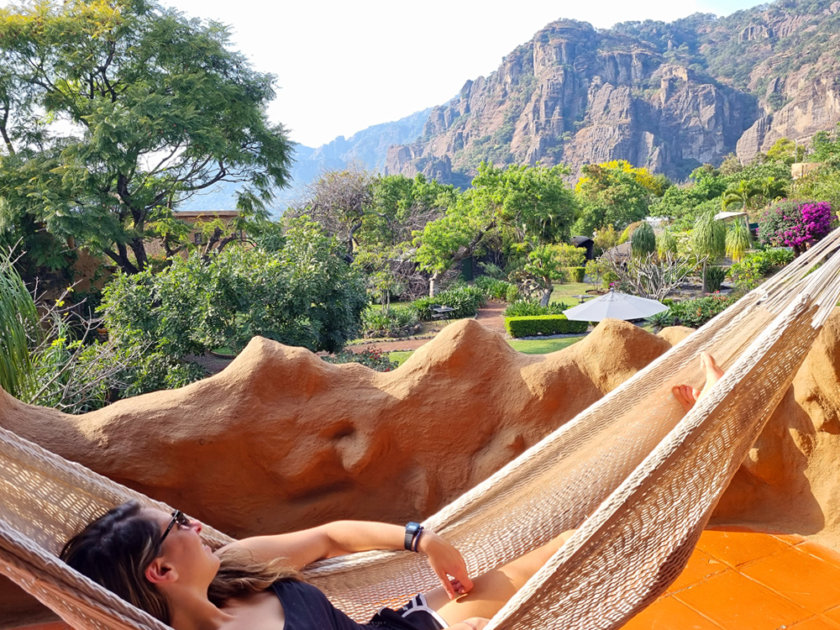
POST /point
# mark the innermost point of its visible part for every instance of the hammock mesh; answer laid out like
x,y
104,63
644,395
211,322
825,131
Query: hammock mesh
x,y
634,475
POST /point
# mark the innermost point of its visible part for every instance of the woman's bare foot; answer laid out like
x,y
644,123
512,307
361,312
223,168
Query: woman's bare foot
x,y
687,395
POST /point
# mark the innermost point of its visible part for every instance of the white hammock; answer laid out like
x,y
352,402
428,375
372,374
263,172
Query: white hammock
x,y
636,478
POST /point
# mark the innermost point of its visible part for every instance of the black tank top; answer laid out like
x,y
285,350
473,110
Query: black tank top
x,y
307,608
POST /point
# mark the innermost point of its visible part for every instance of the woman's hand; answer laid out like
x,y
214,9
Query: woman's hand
x,y
446,561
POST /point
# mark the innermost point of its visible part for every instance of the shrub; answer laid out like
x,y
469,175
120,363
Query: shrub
x,y
512,293
543,325
569,255
302,295
576,274
692,313
492,271
465,300
525,308
374,359
750,271
666,244
493,288
714,278
397,321
738,240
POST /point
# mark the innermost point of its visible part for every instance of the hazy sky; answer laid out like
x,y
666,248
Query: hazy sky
x,y
344,65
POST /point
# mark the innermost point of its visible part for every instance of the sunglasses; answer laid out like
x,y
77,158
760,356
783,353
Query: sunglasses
x,y
178,518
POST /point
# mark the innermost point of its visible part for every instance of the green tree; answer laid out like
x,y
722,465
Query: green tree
x,y
303,294
825,147
544,265
115,111
398,208
339,201
786,151
666,244
643,241
452,238
614,193
740,195
518,208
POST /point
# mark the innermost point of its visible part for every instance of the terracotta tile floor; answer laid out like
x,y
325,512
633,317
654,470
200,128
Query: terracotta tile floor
x,y
740,580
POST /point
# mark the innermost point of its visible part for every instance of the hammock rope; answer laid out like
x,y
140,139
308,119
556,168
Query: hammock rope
x,y
636,477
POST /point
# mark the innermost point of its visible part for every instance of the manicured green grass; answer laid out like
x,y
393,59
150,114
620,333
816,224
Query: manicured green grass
x,y
400,356
526,346
565,292
542,346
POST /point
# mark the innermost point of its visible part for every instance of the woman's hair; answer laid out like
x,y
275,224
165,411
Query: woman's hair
x,y
239,574
115,549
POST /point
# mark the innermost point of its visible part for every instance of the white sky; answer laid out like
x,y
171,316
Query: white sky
x,y
344,65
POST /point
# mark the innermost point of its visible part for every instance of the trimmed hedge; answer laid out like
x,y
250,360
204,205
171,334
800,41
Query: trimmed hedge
x,y
527,308
543,325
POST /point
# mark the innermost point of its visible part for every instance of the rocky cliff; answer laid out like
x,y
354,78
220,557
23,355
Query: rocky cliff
x,y
666,96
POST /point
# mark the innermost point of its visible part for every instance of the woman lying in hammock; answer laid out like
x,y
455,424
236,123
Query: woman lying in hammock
x,y
158,562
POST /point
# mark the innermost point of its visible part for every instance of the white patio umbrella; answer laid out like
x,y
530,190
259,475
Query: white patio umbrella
x,y
616,306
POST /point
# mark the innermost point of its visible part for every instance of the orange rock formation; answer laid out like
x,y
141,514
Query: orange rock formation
x,y
282,439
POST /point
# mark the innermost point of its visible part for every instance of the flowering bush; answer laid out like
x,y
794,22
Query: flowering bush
x,y
795,224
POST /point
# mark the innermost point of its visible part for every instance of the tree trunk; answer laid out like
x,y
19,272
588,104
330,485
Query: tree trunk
x,y
432,282
546,296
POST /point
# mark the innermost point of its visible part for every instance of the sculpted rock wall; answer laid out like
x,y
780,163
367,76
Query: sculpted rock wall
x,y
282,439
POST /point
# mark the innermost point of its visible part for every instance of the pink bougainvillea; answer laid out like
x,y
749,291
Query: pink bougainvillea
x,y
795,224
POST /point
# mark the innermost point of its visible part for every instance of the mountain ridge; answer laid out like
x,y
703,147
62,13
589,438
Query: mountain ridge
x,y
668,96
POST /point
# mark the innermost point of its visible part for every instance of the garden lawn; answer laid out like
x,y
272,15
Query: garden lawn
x,y
526,346
564,292
543,346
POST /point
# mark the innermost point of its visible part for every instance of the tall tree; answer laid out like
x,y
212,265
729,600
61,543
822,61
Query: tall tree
x,y
115,110
338,201
520,207
615,193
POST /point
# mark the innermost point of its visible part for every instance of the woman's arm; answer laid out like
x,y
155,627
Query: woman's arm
x,y
342,537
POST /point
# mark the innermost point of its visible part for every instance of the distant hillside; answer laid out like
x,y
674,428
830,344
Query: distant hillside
x,y
367,149
667,96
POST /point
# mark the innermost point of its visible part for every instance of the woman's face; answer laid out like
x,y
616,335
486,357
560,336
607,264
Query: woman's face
x,y
184,550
